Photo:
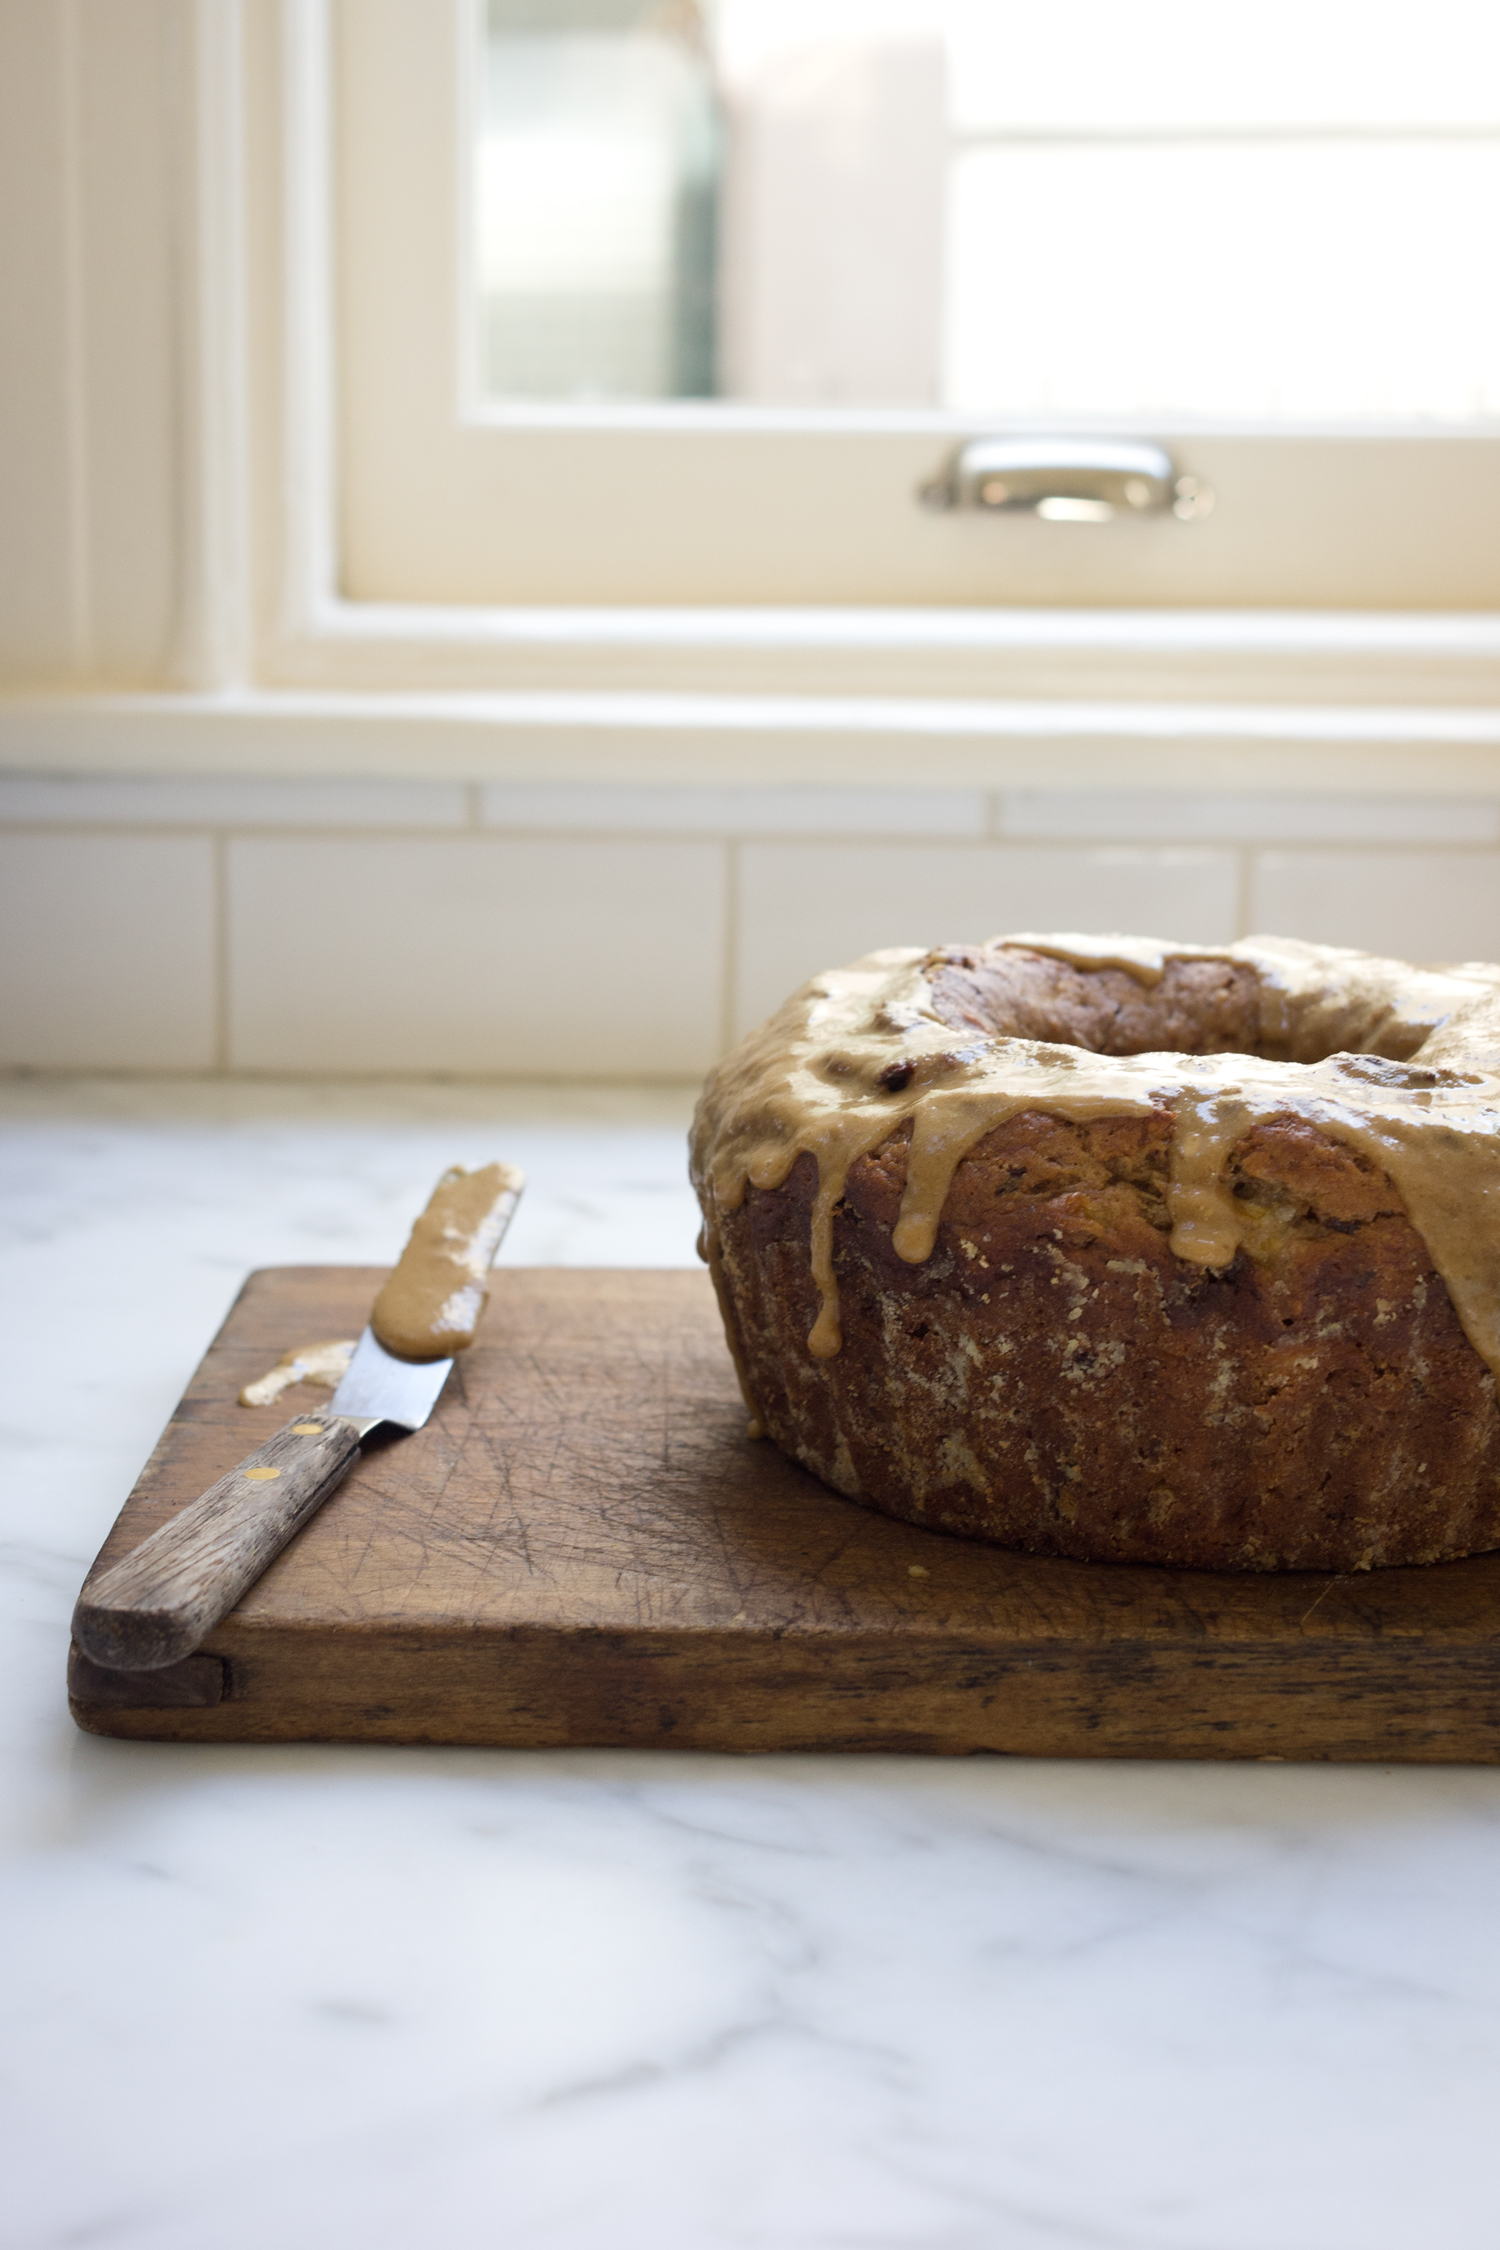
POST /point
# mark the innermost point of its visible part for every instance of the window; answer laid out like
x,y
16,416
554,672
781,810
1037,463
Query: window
x,y
1084,289
256,437
1174,208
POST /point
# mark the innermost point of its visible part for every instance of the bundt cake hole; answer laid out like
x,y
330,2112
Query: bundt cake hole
x,y
1197,1007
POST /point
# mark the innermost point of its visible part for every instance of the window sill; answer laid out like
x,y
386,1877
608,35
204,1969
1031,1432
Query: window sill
x,y
1156,656
656,738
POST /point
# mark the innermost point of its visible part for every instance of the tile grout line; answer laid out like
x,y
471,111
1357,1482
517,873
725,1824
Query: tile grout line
x,y
221,952
1244,877
994,834
353,833
729,977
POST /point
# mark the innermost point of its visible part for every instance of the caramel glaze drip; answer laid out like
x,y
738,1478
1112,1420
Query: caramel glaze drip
x,y
431,1304
1402,1063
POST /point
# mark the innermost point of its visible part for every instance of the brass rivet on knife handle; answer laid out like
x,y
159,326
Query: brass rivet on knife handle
x,y
430,1306
156,1605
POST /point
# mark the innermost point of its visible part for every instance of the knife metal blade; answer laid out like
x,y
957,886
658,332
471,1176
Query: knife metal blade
x,y
378,1387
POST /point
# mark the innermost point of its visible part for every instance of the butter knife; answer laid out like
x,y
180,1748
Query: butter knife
x,y
156,1605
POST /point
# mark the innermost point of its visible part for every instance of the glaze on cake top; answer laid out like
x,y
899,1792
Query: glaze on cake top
x,y
1402,1063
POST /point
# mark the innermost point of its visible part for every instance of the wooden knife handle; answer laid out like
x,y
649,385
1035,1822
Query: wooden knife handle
x,y
155,1606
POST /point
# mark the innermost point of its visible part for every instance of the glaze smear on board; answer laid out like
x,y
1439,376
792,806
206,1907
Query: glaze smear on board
x,y
324,1364
1401,1063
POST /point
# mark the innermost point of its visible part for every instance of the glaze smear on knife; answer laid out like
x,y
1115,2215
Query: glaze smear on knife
x,y
430,1306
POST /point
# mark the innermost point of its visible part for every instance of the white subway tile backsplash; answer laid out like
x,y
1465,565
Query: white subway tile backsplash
x,y
805,907
221,801
479,954
730,811
1418,906
599,950
1248,816
107,952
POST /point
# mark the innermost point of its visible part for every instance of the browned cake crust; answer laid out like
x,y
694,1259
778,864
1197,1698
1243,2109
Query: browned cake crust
x,y
1054,1377
1040,1380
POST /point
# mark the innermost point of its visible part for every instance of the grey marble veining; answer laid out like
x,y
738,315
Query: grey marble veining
x,y
389,1998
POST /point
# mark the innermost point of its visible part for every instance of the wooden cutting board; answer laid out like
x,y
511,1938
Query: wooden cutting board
x,y
583,1547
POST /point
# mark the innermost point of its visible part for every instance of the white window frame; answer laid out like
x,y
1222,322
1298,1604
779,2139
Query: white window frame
x,y
274,252
271,669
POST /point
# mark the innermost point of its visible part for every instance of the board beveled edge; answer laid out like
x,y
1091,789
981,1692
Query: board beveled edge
x,y
737,1691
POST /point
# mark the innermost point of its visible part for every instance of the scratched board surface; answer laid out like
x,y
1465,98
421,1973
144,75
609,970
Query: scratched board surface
x,y
584,1547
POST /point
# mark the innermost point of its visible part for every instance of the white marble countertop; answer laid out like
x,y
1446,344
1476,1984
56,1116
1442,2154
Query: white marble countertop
x,y
390,1998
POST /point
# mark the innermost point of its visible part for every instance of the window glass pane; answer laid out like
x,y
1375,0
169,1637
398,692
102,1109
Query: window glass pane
x,y
1178,206
1312,278
1212,65
597,173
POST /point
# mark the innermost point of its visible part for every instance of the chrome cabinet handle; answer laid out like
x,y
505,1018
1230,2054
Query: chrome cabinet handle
x,y
1066,480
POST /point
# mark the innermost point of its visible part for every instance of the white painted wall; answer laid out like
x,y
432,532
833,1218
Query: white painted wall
x,y
93,417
